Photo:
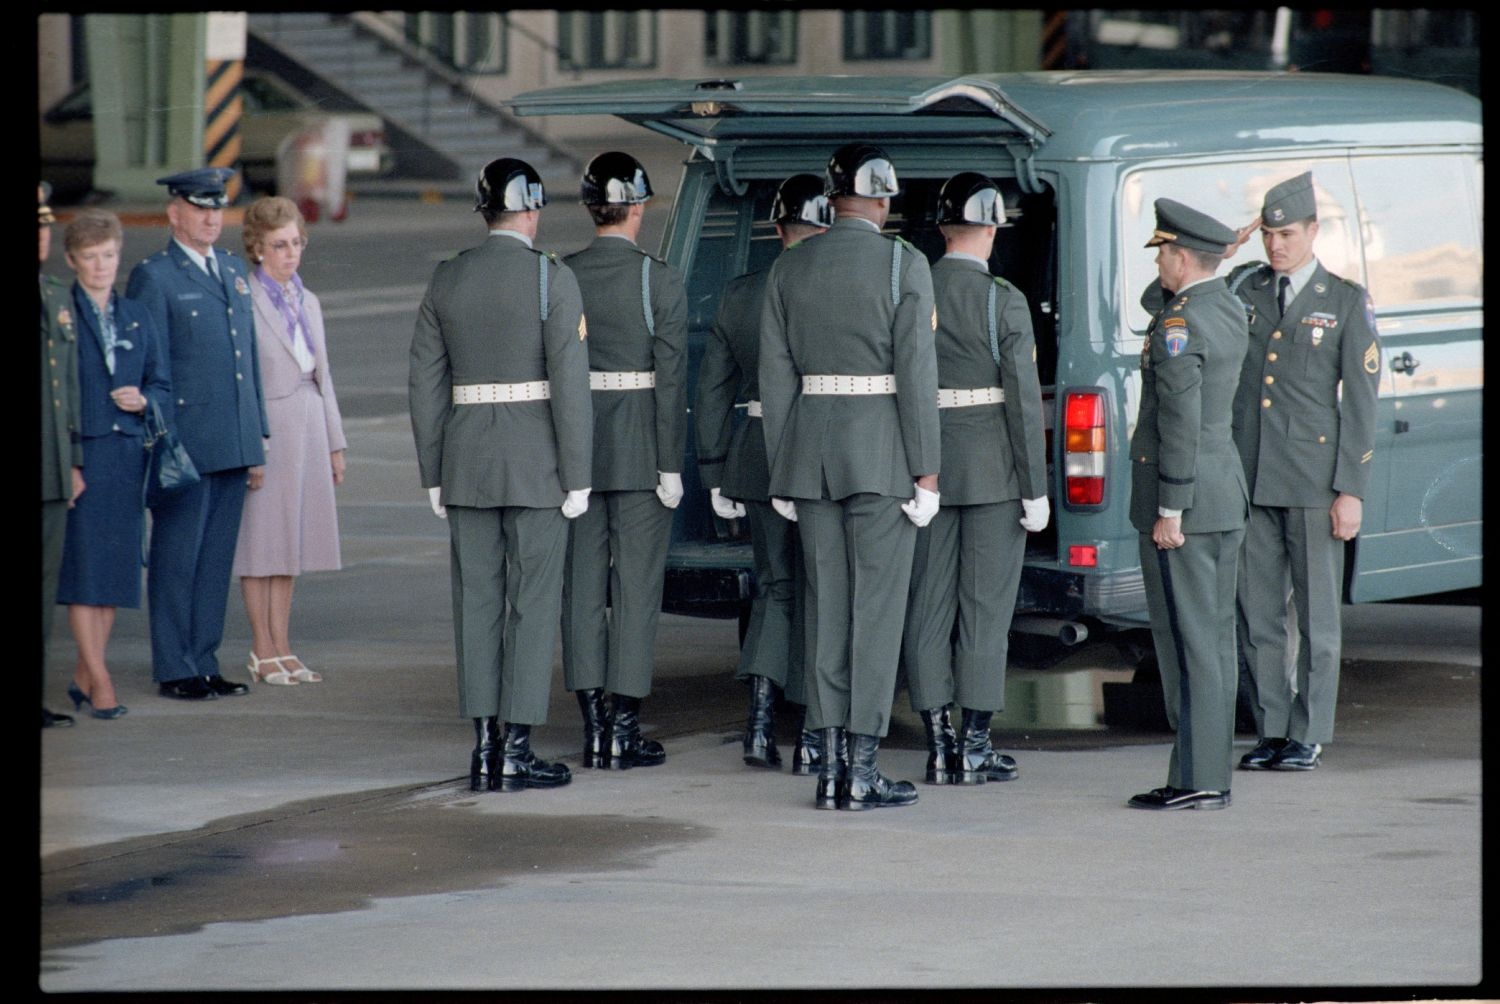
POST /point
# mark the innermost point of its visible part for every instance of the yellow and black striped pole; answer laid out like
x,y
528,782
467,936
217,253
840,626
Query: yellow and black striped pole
x,y
222,109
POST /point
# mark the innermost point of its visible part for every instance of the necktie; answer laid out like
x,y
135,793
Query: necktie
x,y
213,268
1283,285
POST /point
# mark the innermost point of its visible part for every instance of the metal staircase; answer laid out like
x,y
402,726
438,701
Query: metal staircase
x,y
440,132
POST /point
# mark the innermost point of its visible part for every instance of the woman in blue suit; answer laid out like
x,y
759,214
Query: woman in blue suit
x,y
120,371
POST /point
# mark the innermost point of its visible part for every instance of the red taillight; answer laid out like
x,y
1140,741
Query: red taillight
x,y
1083,556
367,137
1083,447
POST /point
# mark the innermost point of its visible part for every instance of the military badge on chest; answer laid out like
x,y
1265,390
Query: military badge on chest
x,y
1320,322
240,287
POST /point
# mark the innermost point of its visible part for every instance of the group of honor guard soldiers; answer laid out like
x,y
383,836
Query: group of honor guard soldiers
x,y
548,403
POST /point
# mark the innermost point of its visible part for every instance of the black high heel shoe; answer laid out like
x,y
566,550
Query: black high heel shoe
x,y
79,699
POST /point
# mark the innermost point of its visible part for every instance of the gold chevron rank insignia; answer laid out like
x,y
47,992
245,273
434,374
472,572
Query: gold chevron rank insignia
x,y
934,318
1372,359
1366,458
583,327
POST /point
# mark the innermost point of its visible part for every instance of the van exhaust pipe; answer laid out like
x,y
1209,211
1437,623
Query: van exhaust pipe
x,y
1068,632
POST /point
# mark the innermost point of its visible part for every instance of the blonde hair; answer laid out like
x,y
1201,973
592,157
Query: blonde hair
x,y
90,227
267,214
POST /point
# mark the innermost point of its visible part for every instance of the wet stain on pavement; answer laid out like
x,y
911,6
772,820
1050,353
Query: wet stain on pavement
x,y
332,855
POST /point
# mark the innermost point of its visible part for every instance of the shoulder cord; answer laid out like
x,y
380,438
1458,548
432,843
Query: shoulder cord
x,y
541,264
989,311
646,294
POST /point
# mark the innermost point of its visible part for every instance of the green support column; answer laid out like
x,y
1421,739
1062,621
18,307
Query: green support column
x,y
990,41
146,76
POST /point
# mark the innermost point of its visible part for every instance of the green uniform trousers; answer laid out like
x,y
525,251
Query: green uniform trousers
x,y
967,566
510,556
54,527
857,552
617,556
1190,594
773,639
1296,543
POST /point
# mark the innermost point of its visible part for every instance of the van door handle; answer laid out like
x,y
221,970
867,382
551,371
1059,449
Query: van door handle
x,y
1404,363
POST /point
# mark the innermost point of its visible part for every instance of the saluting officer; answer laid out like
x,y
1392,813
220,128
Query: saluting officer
x,y
62,442
968,560
732,465
503,423
1188,500
848,380
638,371
199,299
1305,427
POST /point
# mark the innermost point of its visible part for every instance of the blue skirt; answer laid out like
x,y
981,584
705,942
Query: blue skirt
x,y
101,563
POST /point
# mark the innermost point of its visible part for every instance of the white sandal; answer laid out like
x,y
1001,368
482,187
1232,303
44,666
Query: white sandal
x,y
280,676
302,673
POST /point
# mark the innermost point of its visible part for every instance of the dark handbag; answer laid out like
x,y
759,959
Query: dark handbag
x,y
169,467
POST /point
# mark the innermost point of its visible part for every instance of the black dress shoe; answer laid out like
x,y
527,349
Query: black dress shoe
x,y
1260,758
1297,756
942,746
978,761
625,747
51,720
595,724
807,755
760,728
867,788
520,768
189,688
484,762
1180,798
225,688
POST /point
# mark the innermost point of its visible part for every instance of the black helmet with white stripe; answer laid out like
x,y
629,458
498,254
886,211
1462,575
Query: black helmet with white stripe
x,y
800,199
508,185
861,169
970,198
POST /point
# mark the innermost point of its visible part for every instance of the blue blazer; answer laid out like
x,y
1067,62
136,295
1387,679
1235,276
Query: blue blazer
x,y
137,363
208,331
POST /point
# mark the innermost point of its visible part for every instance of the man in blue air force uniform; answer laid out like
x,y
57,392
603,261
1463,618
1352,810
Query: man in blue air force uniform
x,y
200,301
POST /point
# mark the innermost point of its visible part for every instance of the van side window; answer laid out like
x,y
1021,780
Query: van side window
x,y
1420,224
1231,193
721,253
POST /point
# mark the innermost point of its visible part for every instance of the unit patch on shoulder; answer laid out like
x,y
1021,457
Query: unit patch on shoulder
x,y
583,327
1175,335
1370,313
1372,359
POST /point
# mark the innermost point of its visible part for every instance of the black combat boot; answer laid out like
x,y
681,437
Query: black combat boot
x,y
484,765
626,748
867,788
942,747
807,757
591,703
760,734
520,768
833,772
978,761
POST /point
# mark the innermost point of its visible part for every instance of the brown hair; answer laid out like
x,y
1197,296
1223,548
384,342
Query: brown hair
x,y
607,215
90,227
267,214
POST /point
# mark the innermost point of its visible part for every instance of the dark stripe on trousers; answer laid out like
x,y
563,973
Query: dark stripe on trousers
x,y
1184,720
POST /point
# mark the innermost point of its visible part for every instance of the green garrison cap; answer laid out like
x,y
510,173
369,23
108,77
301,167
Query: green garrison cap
x,y
1188,228
1290,201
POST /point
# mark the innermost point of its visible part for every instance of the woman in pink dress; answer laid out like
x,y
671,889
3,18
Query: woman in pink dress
x,y
290,523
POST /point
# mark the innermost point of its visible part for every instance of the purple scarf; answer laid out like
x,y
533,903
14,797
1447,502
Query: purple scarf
x,y
292,315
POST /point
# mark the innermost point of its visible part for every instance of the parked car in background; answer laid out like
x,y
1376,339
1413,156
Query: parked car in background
x,y
273,110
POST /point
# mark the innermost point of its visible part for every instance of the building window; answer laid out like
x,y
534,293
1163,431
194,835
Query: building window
x,y
887,34
749,37
468,42
606,39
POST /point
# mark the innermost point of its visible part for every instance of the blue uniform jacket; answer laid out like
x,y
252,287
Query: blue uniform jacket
x,y
208,330
138,363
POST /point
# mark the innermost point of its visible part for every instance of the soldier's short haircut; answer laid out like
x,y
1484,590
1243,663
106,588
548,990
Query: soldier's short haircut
x,y
1205,259
608,216
498,220
800,231
90,227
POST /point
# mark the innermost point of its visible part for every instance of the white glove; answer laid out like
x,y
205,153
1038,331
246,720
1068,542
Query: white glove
x,y
438,509
669,489
785,508
725,508
577,503
1037,511
922,507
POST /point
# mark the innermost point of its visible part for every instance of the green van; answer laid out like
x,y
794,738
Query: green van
x,y
1081,156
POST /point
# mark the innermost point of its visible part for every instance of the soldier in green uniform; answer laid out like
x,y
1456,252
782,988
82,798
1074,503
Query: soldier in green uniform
x,y
503,421
1304,422
732,465
62,445
968,560
848,380
617,551
1188,500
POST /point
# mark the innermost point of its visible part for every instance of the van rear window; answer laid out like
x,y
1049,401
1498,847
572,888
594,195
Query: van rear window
x,y
1421,220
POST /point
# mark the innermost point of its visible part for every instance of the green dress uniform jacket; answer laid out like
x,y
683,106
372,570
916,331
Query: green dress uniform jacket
x,y
732,458
1305,426
851,301
968,560
504,468
636,308
1183,458
62,443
